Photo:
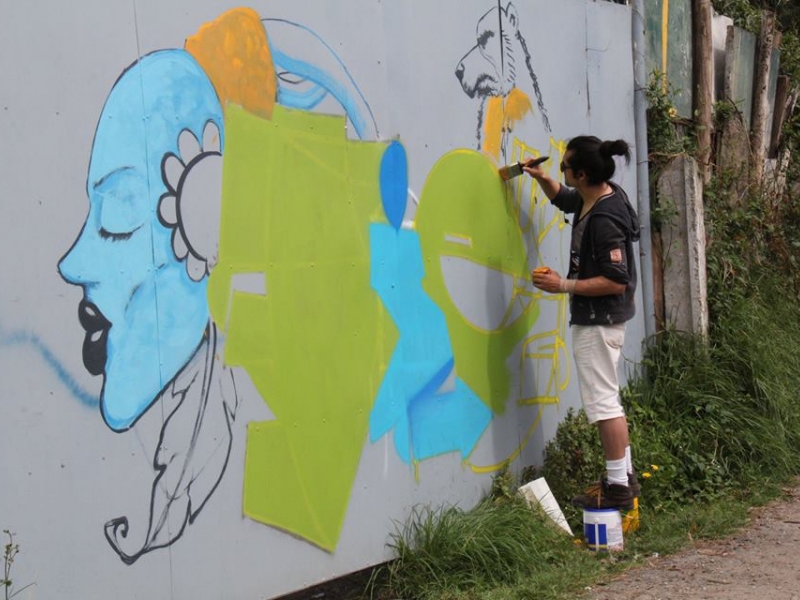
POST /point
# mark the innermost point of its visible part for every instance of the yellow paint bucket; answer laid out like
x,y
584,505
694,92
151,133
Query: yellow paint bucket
x,y
630,518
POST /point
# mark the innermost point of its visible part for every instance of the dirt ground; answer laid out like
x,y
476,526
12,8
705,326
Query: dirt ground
x,y
760,562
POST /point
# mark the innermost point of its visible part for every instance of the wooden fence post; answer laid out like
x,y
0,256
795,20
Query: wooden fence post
x,y
758,126
703,74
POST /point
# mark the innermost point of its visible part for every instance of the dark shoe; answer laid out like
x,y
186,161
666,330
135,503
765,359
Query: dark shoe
x,y
606,495
633,483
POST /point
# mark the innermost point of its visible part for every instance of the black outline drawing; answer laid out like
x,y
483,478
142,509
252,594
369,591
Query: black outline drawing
x,y
489,68
192,453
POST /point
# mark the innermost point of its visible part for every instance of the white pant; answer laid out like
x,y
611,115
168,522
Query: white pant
x,y
597,349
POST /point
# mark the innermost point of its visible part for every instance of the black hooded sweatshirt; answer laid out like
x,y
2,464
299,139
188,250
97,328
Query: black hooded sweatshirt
x,y
602,244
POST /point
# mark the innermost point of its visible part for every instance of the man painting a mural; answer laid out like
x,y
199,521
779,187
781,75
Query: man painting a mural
x,y
601,282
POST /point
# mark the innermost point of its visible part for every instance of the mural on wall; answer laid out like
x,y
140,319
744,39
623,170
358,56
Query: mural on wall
x,y
308,339
150,243
482,237
144,310
232,227
477,348
429,408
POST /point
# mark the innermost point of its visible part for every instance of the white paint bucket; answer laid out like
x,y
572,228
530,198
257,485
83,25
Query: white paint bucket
x,y
602,529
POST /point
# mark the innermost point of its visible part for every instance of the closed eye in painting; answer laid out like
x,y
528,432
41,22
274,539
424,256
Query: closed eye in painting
x,y
116,237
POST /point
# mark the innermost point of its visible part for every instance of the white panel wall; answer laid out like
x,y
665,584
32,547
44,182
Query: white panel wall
x,y
63,472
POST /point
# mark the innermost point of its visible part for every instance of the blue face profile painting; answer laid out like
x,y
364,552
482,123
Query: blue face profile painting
x,y
143,314
143,269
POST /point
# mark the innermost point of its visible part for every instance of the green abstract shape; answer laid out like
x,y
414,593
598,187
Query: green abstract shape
x,y
298,198
464,199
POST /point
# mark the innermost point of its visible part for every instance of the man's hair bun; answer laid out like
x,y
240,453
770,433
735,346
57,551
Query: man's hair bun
x,y
611,148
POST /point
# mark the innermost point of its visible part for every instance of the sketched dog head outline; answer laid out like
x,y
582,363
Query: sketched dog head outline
x,y
490,67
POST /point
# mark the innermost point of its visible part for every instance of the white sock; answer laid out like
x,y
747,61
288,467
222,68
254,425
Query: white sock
x,y
617,472
628,460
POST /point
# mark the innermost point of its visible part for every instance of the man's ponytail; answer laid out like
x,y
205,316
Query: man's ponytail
x,y
611,148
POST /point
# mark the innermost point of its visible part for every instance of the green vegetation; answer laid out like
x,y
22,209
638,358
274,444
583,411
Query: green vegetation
x,y
747,15
666,130
10,551
452,553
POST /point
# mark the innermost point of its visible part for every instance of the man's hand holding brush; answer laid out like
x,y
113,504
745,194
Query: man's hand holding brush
x,y
533,167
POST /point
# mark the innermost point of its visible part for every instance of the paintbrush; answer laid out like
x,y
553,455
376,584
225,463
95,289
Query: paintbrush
x,y
515,170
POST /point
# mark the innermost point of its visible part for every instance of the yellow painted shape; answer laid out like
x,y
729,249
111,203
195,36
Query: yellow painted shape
x,y
298,199
546,347
501,114
493,468
544,221
493,126
464,198
234,52
528,197
517,105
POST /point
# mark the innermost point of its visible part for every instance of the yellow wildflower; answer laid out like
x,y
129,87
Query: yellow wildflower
x,y
654,467
673,112
647,474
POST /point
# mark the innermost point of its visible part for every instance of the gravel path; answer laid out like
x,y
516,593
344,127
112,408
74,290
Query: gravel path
x,y
761,562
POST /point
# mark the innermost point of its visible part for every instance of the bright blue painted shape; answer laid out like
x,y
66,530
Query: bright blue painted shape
x,y
343,88
426,421
434,419
321,78
307,100
394,183
158,314
22,338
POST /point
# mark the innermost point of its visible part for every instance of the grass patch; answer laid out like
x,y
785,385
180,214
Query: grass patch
x,y
484,553
669,531
729,409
